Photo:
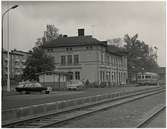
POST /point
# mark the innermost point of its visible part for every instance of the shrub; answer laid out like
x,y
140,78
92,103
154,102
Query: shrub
x,y
103,84
87,83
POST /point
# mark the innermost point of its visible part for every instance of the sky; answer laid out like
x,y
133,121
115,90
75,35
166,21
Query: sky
x,y
104,20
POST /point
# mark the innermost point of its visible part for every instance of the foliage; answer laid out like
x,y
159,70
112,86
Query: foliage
x,y
51,33
139,57
38,62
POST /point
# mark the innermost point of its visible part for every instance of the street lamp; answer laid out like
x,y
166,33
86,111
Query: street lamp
x,y
8,80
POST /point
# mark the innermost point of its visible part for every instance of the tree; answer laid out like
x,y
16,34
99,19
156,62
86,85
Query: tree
x,y
38,62
139,57
39,42
51,33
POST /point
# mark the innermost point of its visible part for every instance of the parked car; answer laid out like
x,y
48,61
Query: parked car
x,y
75,85
28,87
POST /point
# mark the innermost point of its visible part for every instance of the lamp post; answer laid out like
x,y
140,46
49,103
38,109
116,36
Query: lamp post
x,y
8,78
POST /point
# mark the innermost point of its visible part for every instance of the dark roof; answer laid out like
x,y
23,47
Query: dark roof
x,y
19,51
73,41
116,50
16,52
82,41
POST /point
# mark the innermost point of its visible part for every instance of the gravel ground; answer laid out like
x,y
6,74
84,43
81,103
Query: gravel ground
x,y
14,101
159,121
124,116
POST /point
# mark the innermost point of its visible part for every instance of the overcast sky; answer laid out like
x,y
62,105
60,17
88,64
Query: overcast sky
x,y
103,20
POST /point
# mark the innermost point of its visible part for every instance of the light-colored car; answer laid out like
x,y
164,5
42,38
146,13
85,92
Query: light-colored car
x,y
28,87
75,85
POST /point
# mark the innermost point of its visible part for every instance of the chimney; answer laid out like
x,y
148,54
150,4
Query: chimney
x,y
80,32
65,36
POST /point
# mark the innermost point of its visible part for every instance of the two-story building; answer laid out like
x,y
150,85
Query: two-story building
x,y
86,58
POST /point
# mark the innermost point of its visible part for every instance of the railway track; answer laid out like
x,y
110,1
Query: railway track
x,y
151,116
57,119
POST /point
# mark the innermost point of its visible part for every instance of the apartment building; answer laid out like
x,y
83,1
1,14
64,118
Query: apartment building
x,y
16,63
86,58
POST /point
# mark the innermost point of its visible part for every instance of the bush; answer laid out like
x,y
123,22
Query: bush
x,y
91,85
103,84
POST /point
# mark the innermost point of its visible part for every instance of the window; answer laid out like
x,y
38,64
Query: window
x,y
50,50
103,75
108,62
112,76
100,75
89,47
69,59
68,49
114,61
77,75
102,58
76,59
108,76
139,77
63,60
148,77
142,76
70,76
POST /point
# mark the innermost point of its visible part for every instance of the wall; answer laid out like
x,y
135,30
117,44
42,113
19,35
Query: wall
x,y
93,60
87,62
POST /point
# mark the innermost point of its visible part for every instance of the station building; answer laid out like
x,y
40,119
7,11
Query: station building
x,y
86,58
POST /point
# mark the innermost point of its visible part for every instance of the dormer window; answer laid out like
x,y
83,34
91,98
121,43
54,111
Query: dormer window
x,y
89,47
69,49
